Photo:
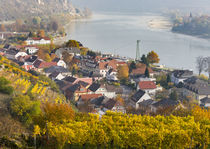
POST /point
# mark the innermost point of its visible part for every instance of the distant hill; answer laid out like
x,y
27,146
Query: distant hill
x,y
17,9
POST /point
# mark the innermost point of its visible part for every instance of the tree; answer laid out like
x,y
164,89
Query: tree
x,y
55,26
123,72
153,57
200,61
55,113
132,66
83,51
144,60
36,20
31,34
120,99
147,72
67,57
4,86
168,78
41,33
208,66
91,53
72,43
2,28
174,96
24,108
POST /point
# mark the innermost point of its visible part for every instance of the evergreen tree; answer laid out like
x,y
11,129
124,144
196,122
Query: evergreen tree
x,y
132,66
174,96
144,60
147,73
168,78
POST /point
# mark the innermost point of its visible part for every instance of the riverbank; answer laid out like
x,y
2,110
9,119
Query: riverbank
x,y
160,23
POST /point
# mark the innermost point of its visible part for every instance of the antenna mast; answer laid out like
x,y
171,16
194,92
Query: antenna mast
x,y
138,51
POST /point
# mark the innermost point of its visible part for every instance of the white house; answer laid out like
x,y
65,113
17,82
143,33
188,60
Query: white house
x,y
31,50
138,97
148,86
111,75
38,41
178,76
20,54
205,102
60,62
100,89
56,75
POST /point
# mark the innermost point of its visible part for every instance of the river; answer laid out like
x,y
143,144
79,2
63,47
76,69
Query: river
x,y
117,33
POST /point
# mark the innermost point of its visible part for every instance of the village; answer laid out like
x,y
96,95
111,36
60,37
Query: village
x,y
97,82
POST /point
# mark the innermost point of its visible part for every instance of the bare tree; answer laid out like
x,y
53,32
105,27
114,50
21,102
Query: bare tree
x,y
200,62
207,62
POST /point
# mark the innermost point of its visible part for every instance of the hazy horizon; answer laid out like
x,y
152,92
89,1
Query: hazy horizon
x,y
198,6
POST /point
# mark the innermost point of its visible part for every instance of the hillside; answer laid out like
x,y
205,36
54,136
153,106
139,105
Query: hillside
x,y
16,9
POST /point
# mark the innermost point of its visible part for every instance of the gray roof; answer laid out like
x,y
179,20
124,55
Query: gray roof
x,y
182,73
32,59
56,69
110,104
94,87
197,86
69,79
73,88
165,103
138,95
205,100
147,102
54,74
98,101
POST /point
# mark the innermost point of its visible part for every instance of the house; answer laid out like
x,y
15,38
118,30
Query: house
x,y
96,88
149,87
197,88
205,102
31,59
103,69
105,66
114,105
27,66
85,98
111,75
178,76
165,103
11,53
138,97
38,41
31,49
71,50
60,62
20,54
141,71
40,64
74,80
146,105
56,75
75,91
62,70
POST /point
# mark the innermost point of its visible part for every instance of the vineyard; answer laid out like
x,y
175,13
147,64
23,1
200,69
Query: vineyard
x,y
26,83
116,130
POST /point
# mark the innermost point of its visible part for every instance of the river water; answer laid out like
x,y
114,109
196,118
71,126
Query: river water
x,y
117,33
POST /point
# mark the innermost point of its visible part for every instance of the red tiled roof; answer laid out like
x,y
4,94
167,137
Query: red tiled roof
x,y
141,70
87,80
147,85
102,65
43,64
87,97
39,38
